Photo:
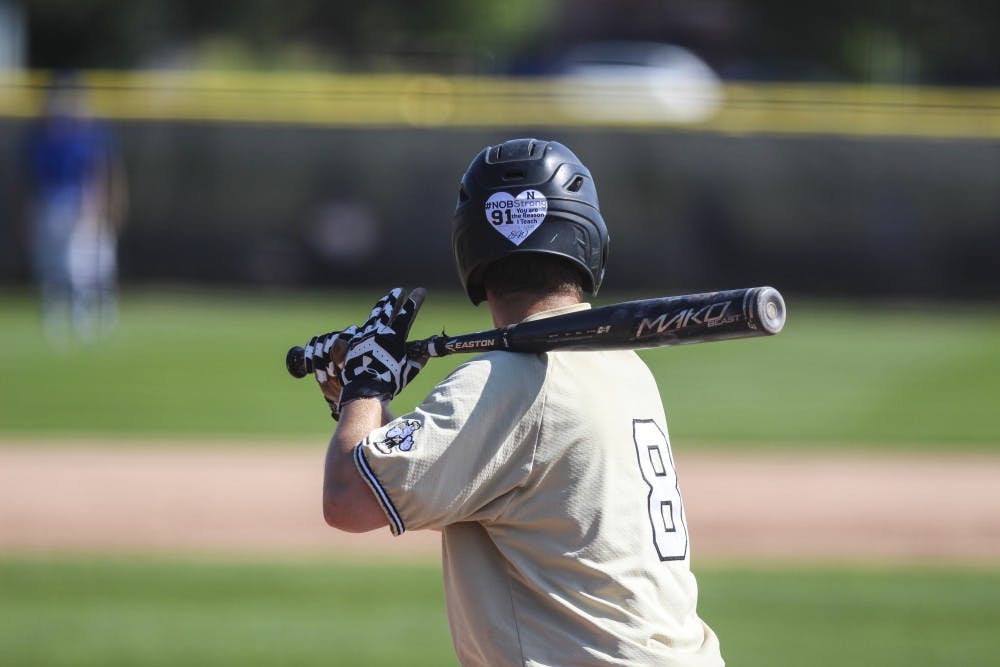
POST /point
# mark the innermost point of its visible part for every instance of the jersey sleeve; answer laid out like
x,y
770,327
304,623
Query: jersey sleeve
x,y
462,452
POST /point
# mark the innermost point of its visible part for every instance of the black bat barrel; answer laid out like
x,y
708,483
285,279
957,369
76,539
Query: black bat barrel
x,y
674,320
712,316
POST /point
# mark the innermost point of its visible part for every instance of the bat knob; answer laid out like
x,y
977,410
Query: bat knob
x,y
770,310
295,362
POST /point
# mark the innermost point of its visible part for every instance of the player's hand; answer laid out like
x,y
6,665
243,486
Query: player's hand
x,y
376,364
324,354
324,358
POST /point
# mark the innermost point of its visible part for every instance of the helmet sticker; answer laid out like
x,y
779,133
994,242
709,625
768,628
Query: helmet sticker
x,y
516,218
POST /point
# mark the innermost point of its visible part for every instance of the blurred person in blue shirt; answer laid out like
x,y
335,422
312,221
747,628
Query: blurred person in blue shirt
x,y
77,204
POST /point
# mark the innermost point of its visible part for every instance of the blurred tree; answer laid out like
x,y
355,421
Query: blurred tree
x,y
901,41
95,33
925,41
449,35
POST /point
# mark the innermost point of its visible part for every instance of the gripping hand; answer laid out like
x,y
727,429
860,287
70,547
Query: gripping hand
x,y
324,357
376,364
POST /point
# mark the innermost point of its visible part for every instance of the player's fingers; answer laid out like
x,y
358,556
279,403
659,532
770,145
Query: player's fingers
x,y
348,333
309,352
408,312
392,308
328,341
386,306
338,352
384,310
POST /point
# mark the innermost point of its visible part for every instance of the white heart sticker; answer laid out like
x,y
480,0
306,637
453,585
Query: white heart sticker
x,y
516,217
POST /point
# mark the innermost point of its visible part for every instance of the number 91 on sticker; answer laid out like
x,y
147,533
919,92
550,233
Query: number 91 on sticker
x,y
525,211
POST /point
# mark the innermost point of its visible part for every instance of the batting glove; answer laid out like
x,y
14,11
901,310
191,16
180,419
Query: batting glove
x,y
376,364
324,355
324,358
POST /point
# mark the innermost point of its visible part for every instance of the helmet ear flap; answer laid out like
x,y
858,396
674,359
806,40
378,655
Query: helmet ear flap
x,y
599,278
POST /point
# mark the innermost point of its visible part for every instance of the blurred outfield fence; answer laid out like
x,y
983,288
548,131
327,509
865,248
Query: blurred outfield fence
x,y
314,179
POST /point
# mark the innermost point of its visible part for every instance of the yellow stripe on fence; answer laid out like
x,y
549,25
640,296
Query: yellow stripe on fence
x,y
411,100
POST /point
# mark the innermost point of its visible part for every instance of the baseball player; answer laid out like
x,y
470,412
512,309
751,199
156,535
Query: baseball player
x,y
78,198
550,476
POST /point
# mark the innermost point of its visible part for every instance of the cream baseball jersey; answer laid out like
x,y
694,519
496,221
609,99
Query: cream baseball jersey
x,y
563,530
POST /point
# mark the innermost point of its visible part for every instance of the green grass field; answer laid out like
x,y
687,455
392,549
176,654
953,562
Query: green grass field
x,y
144,613
191,364
186,365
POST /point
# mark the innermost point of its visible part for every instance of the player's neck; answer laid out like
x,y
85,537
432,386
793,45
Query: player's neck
x,y
513,307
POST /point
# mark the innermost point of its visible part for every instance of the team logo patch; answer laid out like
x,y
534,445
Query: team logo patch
x,y
398,437
515,218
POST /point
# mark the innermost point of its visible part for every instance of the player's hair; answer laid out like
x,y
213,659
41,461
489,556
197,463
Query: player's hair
x,y
536,274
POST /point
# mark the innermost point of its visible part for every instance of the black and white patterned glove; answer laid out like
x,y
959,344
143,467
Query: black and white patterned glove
x,y
324,354
324,358
376,365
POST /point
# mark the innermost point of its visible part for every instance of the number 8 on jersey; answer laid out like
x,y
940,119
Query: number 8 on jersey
x,y
666,512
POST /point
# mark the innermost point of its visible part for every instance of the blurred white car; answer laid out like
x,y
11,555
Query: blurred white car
x,y
639,82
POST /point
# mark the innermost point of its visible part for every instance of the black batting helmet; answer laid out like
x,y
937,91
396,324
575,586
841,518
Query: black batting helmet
x,y
527,195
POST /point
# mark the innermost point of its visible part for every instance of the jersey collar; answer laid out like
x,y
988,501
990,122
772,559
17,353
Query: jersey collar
x,y
562,310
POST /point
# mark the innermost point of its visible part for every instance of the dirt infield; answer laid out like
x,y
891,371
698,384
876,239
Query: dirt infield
x,y
264,501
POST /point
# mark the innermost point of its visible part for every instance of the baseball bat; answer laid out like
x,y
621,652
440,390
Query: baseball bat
x,y
660,322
